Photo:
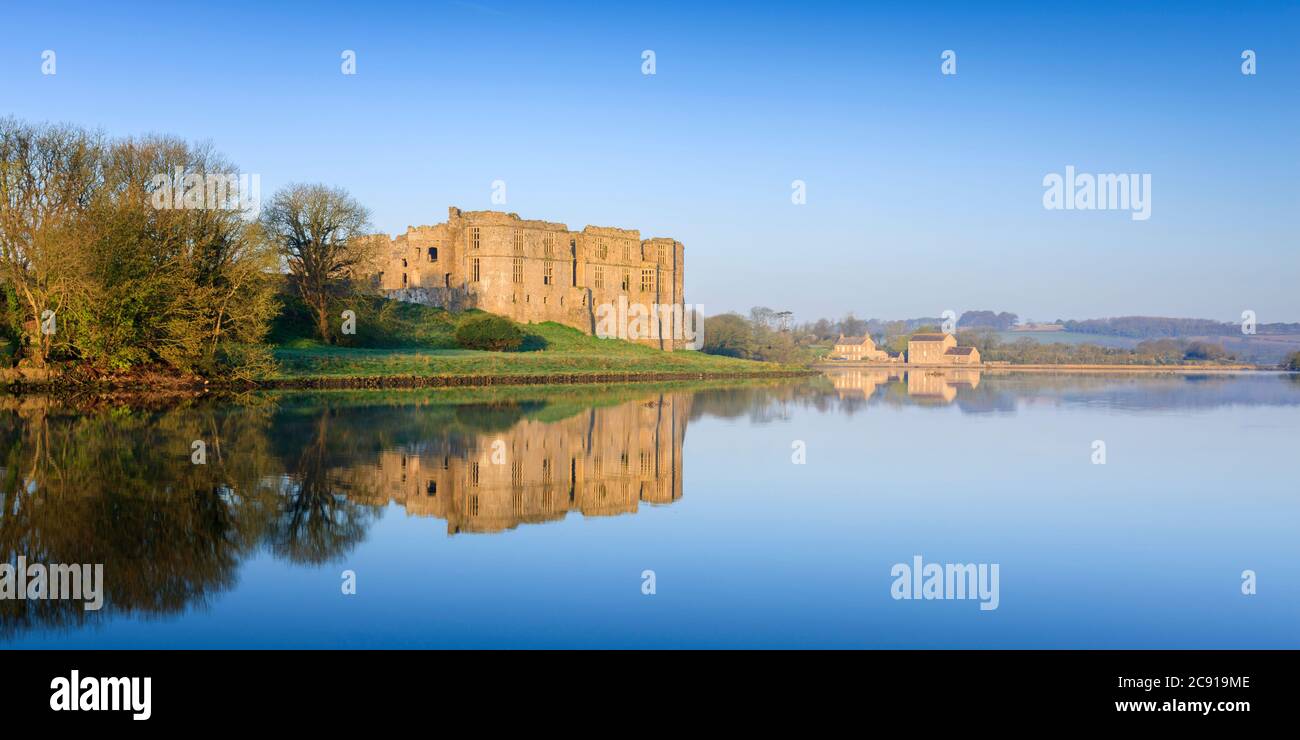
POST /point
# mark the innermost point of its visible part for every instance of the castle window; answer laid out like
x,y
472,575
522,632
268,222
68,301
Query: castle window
x,y
627,253
602,250
403,262
548,274
647,280
597,276
432,488
476,270
474,240
627,281
433,254
517,268
548,244
446,279
403,278
519,241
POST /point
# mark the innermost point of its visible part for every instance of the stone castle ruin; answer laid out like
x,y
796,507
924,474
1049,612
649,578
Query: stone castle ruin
x,y
534,271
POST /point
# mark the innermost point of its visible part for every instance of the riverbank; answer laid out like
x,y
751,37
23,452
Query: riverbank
x,y
185,386
419,352
343,368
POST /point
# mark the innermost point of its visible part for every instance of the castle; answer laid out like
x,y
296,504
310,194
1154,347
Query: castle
x,y
533,271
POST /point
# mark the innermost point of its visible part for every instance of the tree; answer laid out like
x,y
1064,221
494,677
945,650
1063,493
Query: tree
x,y
1293,361
987,320
97,269
728,334
1205,351
320,231
48,175
180,285
763,316
851,326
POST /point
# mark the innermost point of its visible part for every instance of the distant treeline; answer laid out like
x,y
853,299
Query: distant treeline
x,y
771,335
1135,327
1151,352
1143,327
851,326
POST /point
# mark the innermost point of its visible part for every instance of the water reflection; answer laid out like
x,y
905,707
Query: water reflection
x,y
975,391
922,385
597,462
305,477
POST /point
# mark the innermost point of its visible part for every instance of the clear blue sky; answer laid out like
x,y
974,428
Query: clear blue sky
x,y
924,191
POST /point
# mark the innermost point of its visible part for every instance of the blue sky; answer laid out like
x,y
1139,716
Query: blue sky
x,y
924,191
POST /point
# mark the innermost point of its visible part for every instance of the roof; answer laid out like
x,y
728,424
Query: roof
x,y
852,340
928,337
959,350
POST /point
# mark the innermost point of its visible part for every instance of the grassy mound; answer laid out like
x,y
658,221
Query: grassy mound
x,y
404,339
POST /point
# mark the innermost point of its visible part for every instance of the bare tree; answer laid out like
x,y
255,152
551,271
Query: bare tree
x,y
320,231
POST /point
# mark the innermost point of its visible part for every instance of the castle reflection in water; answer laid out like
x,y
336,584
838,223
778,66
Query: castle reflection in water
x,y
305,477
600,462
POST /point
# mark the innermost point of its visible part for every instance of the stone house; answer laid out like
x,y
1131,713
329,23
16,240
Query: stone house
x,y
858,348
962,356
939,349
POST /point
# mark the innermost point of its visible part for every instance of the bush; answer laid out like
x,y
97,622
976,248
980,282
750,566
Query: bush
x,y
1293,362
1205,351
490,333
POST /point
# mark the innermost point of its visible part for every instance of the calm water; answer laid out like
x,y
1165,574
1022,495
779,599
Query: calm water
x,y
526,517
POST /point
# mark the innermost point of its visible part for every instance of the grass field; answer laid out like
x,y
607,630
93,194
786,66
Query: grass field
x,y
552,349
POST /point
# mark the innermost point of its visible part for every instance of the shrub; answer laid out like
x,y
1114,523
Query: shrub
x,y
1293,362
490,333
1205,351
